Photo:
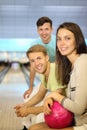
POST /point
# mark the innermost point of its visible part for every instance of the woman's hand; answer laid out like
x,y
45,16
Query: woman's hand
x,y
48,102
56,96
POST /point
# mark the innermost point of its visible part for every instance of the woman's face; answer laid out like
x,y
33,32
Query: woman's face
x,y
66,43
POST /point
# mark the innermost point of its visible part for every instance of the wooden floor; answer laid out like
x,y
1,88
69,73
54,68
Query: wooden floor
x,y
11,93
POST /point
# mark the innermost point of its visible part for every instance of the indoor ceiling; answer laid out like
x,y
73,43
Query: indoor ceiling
x,y
18,17
44,2
18,22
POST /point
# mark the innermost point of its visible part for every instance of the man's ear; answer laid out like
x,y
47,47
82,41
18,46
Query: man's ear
x,y
52,29
37,30
47,58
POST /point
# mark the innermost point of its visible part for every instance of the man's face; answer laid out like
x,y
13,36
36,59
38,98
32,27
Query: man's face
x,y
38,61
45,32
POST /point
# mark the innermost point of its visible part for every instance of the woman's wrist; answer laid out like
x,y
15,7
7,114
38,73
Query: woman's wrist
x,y
62,101
59,98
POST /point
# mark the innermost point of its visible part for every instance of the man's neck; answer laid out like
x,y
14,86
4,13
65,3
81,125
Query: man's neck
x,y
47,71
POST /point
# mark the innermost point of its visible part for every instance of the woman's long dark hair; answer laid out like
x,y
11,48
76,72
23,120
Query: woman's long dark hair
x,y
63,65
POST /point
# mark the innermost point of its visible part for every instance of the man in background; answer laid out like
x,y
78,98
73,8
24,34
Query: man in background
x,y
44,29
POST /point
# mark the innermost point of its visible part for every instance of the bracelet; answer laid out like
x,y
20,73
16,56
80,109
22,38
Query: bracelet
x,y
62,101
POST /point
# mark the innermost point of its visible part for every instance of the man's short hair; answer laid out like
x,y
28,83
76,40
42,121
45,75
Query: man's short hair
x,y
43,20
37,48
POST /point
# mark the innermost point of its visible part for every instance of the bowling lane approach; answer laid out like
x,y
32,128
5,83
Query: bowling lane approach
x,y
11,93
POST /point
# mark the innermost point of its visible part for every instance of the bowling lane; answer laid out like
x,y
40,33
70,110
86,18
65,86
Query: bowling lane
x,y
11,93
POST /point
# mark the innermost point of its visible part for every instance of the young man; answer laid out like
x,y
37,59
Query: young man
x,y
44,29
39,60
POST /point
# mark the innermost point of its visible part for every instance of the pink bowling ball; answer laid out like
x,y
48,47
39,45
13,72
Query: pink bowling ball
x,y
59,118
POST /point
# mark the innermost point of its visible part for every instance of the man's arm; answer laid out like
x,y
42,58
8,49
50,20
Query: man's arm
x,y
27,107
32,76
35,110
29,110
38,97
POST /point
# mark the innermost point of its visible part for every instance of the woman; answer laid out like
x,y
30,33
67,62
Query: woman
x,y
71,68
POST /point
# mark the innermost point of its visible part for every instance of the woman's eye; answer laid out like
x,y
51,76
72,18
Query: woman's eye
x,y
68,38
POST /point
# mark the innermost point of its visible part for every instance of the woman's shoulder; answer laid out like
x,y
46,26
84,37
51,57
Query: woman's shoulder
x,y
82,59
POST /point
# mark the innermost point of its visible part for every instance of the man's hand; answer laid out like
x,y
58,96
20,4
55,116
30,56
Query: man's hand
x,y
21,111
18,106
32,76
28,92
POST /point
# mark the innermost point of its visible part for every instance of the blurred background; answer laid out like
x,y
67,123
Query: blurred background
x,y
18,23
17,31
